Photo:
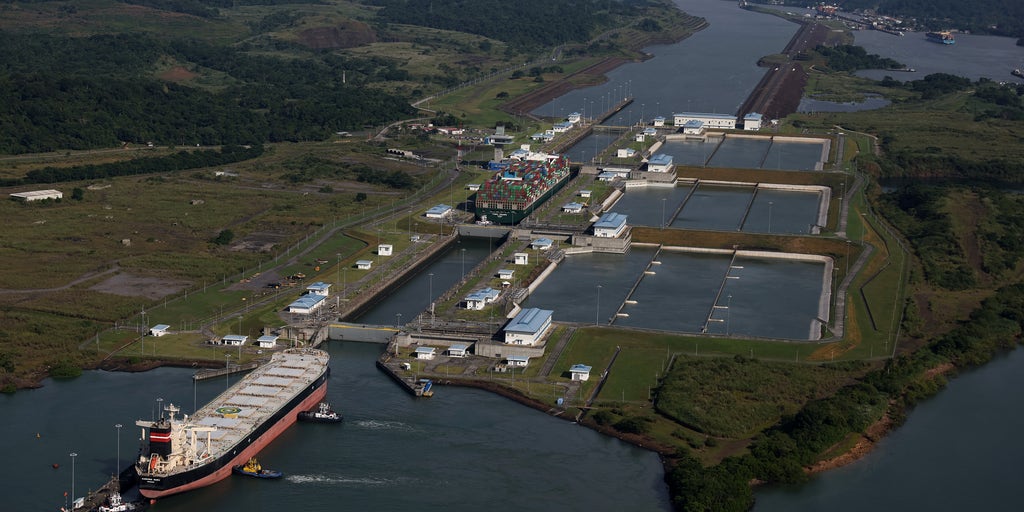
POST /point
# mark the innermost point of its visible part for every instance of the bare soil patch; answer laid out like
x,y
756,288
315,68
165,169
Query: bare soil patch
x,y
177,74
344,35
138,286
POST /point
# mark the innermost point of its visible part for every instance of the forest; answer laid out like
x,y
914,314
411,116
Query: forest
x,y
996,17
84,93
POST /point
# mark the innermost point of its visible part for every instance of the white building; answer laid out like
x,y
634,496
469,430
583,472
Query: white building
x,y
659,121
719,121
610,225
586,193
37,195
521,258
473,187
385,249
319,288
234,340
307,304
561,127
505,273
267,341
528,327
480,298
458,350
575,117
660,163
425,352
517,361
573,207
753,121
626,152
159,330
439,212
693,127
541,244
580,372
364,264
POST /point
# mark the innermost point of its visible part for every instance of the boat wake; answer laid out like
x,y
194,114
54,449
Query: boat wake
x,y
337,480
384,425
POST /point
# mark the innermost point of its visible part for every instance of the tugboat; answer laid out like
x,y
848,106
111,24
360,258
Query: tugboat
x,y
1019,73
116,504
322,414
254,469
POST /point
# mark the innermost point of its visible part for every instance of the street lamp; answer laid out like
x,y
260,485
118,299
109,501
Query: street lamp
x,y
597,311
73,455
663,212
770,216
463,251
728,313
227,371
398,320
118,427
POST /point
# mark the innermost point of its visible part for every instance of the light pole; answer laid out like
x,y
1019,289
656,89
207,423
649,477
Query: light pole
x,y
848,257
597,311
339,270
770,216
118,427
398,320
73,455
227,371
663,213
728,313
430,299
463,251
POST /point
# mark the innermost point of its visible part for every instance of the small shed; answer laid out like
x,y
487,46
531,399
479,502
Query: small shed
x,y
473,187
580,372
628,152
385,249
439,212
586,193
521,258
458,350
425,352
480,298
234,340
659,121
267,341
159,330
660,162
319,288
364,264
518,361
505,273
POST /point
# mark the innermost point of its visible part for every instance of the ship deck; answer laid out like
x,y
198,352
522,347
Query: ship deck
x,y
258,396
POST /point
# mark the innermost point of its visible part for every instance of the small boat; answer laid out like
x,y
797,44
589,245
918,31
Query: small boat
x,y
117,504
322,414
254,469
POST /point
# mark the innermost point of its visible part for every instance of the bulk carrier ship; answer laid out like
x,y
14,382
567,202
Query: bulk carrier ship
x,y
181,454
514,193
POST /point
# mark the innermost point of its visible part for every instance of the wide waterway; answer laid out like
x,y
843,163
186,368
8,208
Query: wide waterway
x,y
463,449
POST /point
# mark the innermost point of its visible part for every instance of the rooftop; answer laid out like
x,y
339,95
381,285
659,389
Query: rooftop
x,y
529,320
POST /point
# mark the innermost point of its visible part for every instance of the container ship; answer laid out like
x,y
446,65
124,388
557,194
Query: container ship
x,y
944,37
181,454
515,192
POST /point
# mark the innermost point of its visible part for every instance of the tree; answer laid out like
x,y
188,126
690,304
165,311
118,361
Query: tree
x,y
77,194
360,197
224,237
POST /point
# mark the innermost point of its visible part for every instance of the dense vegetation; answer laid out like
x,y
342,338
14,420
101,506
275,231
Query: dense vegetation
x,y
209,8
82,93
852,58
998,17
525,23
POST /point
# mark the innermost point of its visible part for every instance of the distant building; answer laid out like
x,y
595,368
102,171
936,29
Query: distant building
x,y
528,327
541,244
752,121
159,330
439,212
585,193
659,121
517,361
505,273
481,298
364,264
521,258
610,225
660,163
720,121
425,352
319,288
575,117
561,127
473,187
37,195
693,127
385,249
458,350
267,341
572,207
307,304
625,152
580,372
235,340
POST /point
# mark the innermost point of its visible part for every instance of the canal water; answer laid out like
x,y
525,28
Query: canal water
x,y
973,56
712,71
687,292
745,153
590,146
722,208
957,451
463,449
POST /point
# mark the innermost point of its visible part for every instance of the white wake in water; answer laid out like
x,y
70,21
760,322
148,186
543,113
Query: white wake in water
x,y
336,480
384,425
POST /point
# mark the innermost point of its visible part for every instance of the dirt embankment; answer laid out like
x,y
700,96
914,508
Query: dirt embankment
x,y
591,75
779,91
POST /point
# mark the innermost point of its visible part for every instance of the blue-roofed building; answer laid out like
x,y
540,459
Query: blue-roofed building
x,y
541,244
319,288
693,127
544,136
625,153
561,127
575,117
660,163
439,212
753,121
425,352
610,225
159,330
580,372
480,298
307,304
573,207
528,327
267,341
721,121
659,121
234,340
